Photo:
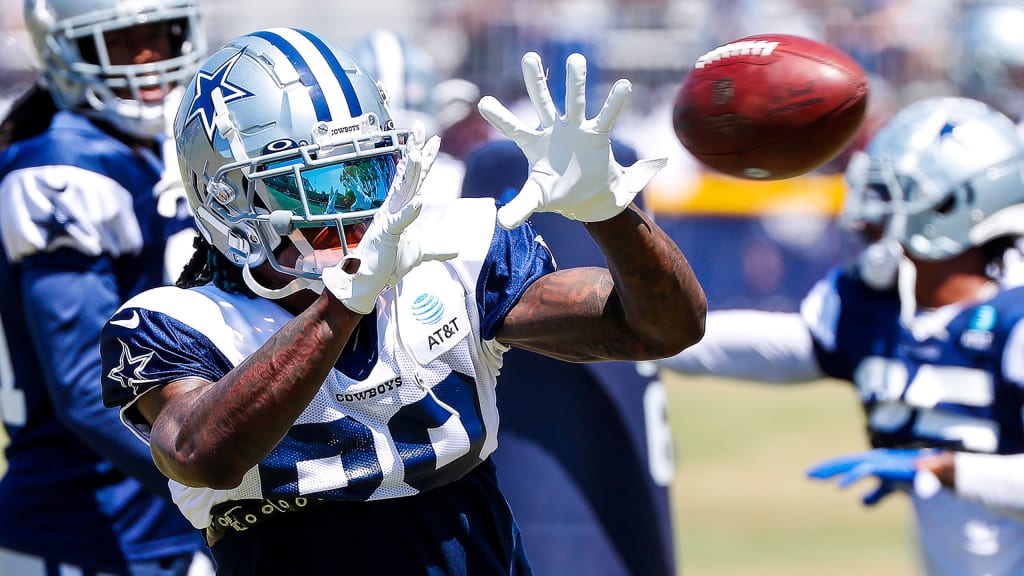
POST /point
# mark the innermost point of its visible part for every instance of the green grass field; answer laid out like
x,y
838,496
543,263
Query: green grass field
x,y
742,506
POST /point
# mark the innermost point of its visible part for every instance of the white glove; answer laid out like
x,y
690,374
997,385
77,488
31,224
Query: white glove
x,y
572,170
384,253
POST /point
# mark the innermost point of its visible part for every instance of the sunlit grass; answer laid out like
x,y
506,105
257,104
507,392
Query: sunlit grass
x,y
742,505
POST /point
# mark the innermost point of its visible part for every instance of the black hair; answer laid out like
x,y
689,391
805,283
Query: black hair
x,y
994,250
30,115
209,265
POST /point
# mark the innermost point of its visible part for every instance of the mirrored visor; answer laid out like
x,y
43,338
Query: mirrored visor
x,y
351,186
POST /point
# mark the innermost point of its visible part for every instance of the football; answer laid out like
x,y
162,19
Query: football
x,y
770,107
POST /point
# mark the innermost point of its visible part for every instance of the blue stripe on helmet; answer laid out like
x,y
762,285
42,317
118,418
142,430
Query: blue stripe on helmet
x,y
323,111
354,108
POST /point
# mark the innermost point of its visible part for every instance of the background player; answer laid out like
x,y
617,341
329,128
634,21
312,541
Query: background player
x,y
80,234
370,413
935,356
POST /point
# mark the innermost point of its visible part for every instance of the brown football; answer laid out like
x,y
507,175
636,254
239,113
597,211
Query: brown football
x,y
770,106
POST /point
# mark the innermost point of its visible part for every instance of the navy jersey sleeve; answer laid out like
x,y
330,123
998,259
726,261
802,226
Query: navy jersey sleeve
x,y
516,259
848,321
143,349
65,325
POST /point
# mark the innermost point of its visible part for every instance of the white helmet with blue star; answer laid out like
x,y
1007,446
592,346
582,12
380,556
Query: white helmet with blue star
x,y
282,134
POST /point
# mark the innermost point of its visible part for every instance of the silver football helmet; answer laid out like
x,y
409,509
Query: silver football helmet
x,y
72,38
282,134
989,60
943,175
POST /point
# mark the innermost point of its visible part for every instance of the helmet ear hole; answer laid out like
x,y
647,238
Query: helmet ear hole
x,y
947,206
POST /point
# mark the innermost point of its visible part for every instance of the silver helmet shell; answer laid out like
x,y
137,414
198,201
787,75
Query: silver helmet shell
x,y
69,36
943,175
280,132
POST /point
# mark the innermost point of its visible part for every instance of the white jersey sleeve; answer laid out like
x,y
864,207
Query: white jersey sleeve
x,y
50,207
993,479
751,344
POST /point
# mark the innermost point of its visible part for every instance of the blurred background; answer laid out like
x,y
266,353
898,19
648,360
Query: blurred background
x,y
742,503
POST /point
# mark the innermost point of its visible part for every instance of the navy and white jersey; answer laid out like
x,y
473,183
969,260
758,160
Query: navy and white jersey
x,y
79,234
952,380
586,455
410,405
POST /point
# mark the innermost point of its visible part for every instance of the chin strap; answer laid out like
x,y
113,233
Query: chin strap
x,y
879,262
296,285
906,282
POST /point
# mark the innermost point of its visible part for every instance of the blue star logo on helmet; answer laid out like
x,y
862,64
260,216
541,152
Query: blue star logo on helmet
x,y
427,309
206,84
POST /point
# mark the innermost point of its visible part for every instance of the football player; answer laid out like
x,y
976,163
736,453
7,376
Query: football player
x,y
321,387
81,232
935,355
554,456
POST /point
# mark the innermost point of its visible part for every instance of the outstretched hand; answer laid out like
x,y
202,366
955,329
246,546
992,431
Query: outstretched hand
x,y
895,468
386,251
572,170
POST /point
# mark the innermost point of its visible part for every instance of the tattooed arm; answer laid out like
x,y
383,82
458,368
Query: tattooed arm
x,y
211,433
647,304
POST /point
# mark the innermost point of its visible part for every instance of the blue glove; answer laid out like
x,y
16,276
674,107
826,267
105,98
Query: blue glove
x,y
893,467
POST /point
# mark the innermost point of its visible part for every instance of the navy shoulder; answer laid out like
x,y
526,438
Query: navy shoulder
x,y
1001,312
72,140
146,344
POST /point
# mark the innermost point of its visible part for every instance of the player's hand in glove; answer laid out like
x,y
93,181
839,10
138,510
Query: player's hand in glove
x,y
572,170
895,469
387,252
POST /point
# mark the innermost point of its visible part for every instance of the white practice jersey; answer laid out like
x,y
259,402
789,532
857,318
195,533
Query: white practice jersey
x,y
410,404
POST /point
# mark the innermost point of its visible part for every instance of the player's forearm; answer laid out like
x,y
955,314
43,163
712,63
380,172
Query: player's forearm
x,y
661,300
751,344
70,321
214,436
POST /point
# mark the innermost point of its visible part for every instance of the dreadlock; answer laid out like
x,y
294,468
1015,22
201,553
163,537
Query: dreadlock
x,y
29,115
209,265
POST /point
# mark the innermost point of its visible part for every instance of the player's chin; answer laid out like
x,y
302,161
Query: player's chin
x,y
354,233
152,95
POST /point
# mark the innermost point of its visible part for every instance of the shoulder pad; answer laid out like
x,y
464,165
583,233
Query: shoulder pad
x,y
50,207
